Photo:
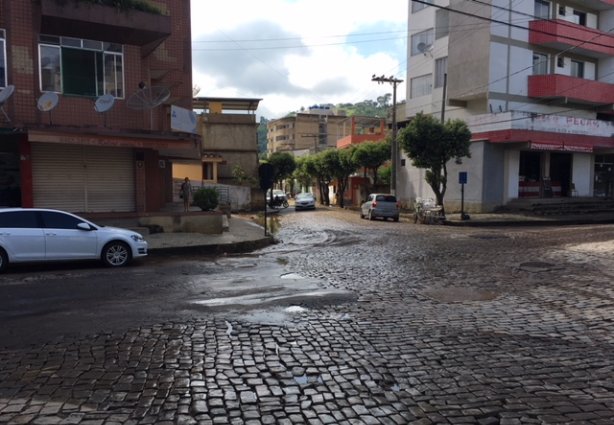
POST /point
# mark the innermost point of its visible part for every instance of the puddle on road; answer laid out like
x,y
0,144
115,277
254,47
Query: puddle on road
x,y
295,276
452,294
536,266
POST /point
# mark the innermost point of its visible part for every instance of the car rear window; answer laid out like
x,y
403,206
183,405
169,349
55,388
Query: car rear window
x,y
19,219
386,198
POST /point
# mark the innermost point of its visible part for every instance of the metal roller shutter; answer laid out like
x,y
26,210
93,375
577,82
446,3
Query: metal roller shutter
x,y
83,178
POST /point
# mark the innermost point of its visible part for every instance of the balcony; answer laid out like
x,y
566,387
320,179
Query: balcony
x,y
561,35
571,89
356,139
103,23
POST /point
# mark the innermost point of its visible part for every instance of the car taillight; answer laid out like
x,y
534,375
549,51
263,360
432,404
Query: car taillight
x,y
398,204
373,204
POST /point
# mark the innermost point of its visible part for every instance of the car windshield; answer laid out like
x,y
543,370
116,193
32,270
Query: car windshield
x,y
304,196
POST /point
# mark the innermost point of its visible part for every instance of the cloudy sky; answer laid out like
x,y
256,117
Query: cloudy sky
x,y
294,53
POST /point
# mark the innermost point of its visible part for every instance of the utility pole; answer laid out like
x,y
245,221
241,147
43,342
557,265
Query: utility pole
x,y
393,146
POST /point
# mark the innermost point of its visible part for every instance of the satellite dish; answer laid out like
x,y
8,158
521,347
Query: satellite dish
x,y
195,90
148,97
47,101
424,48
104,103
6,93
4,96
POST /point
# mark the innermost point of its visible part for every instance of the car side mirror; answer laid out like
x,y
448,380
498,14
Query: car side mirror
x,y
84,226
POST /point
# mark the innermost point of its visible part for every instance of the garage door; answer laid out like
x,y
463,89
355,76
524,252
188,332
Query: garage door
x,y
83,178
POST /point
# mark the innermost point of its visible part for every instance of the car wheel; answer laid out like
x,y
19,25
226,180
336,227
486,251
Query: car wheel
x,y
371,216
396,218
361,214
116,254
4,260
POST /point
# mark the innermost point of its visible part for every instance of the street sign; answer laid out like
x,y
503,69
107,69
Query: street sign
x,y
462,177
266,172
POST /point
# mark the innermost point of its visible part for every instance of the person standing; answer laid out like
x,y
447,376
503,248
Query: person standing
x,y
186,194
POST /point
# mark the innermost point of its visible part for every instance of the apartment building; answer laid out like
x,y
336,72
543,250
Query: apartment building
x,y
87,94
302,133
534,79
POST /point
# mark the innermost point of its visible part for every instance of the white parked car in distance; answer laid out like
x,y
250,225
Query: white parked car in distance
x,y
39,235
304,201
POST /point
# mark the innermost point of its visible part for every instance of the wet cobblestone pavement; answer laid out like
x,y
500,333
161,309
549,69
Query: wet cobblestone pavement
x,y
449,325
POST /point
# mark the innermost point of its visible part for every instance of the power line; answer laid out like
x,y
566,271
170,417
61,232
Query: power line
x,y
497,21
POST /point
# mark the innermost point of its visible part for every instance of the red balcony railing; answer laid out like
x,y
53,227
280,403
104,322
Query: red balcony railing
x,y
579,90
561,34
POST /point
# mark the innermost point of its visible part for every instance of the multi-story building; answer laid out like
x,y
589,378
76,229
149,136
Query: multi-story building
x,y
534,79
306,132
86,104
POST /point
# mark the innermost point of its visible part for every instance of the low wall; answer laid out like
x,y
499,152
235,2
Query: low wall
x,y
209,223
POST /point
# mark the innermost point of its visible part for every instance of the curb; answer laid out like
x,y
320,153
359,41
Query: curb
x,y
214,249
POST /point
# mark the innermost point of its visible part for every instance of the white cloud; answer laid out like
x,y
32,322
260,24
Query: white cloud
x,y
294,53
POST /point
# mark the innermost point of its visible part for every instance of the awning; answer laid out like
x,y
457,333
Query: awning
x,y
559,147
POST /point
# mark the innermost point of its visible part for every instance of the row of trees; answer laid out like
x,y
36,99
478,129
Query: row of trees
x,y
426,141
330,166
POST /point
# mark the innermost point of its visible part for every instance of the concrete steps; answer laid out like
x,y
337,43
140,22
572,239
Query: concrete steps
x,y
560,206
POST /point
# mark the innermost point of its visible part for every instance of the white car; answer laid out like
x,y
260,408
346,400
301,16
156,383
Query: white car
x,y
304,201
37,234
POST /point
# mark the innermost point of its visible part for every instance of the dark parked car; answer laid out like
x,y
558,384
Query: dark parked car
x,y
38,235
382,205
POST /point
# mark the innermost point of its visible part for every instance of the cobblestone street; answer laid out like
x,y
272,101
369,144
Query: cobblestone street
x,y
446,325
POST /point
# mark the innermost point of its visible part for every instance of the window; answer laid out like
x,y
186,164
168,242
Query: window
x,y
54,220
442,23
441,68
579,17
81,67
208,173
19,219
577,69
415,6
421,39
542,9
421,86
540,64
2,59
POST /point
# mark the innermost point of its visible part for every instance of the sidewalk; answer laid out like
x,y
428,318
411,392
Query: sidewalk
x,y
507,219
243,235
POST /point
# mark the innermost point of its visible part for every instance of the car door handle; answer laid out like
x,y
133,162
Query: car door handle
x,y
51,234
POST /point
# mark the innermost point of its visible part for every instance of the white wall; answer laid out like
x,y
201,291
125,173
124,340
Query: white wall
x,y
511,174
582,173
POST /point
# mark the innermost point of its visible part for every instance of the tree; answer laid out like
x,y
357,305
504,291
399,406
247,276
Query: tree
x,y
371,156
346,167
262,133
284,165
301,173
431,144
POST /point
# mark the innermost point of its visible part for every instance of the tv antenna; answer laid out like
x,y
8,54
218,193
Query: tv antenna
x,y
103,104
47,102
4,96
147,98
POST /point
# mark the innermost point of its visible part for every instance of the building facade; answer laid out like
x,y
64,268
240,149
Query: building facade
x,y
306,132
534,80
87,91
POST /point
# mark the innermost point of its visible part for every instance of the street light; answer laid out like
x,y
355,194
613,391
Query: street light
x,y
393,147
